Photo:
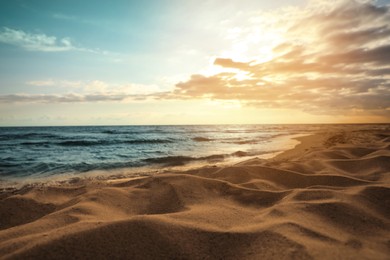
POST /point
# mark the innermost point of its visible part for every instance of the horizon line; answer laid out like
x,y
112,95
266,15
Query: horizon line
x,y
14,126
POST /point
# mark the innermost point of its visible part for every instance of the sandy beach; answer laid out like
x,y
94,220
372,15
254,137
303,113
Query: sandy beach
x,y
328,198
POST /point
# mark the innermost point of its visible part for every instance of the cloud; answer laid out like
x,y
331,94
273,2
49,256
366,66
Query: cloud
x,y
41,83
43,43
359,38
87,91
330,58
35,42
96,86
229,63
333,59
68,98
378,55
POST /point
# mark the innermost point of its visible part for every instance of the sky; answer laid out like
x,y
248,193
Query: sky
x,y
127,62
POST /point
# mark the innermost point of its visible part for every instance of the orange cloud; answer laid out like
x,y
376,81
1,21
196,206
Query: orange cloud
x,y
333,60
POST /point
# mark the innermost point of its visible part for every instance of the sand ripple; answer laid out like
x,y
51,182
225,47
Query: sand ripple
x,y
328,199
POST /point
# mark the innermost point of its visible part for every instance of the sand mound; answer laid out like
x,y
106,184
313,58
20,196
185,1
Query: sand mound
x,y
328,198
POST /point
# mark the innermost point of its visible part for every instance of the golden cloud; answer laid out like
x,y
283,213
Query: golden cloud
x,y
333,60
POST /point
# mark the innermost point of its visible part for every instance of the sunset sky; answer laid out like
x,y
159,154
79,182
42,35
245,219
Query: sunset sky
x,y
193,62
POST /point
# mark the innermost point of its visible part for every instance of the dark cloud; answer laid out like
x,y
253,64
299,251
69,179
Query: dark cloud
x,y
378,55
344,16
360,37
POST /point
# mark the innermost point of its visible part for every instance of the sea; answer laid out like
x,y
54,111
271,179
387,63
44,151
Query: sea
x,y
29,154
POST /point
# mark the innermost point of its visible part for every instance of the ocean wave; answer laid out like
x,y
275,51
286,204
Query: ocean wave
x,y
45,169
170,160
138,131
202,139
244,142
4,164
253,140
36,143
82,143
112,142
182,160
67,141
121,132
26,136
240,154
44,151
109,132
151,141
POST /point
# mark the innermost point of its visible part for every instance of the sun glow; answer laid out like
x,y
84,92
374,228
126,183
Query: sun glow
x,y
254,44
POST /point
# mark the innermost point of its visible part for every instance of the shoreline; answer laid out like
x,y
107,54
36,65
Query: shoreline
x,y
17,183
326,198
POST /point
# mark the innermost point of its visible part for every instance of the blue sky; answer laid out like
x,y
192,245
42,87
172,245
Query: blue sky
x,y
160,62
108,39
136,41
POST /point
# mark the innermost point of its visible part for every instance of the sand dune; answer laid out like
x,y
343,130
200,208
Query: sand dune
x,y
329,198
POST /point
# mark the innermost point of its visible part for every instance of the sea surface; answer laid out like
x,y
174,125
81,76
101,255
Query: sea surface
x,y
43,152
